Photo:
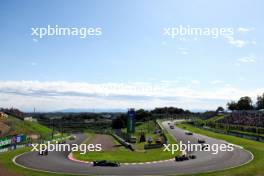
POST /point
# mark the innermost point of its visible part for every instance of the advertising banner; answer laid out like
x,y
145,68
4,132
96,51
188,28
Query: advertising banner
x,y
8,140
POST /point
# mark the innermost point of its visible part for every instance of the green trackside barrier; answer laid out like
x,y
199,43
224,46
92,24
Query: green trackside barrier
x,y
14,139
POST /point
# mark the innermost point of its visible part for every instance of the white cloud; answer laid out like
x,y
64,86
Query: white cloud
x,y
248,59
244,30
56,95
238,42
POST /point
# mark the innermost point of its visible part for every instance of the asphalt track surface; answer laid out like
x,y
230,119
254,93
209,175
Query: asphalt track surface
x,y
205,162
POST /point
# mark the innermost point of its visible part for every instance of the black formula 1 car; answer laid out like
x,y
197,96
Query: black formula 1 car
x,y
106,163
181,158
184,157
201,141
44,153
188,133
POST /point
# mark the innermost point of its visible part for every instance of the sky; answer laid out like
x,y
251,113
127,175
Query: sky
x,y
132,63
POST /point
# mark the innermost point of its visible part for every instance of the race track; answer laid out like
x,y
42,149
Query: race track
x,y
205,162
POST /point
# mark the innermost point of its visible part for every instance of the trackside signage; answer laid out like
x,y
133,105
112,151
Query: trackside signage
x,y
12,140
5,141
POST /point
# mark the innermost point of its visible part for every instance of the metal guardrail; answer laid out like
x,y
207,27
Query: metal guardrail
x,y
123,142
162,130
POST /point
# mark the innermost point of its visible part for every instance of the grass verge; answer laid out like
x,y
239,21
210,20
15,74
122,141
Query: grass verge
x,y
124,155
254,168
26,127
6,161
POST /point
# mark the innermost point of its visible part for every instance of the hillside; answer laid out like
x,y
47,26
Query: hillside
x,y
18,126
216,118
4,129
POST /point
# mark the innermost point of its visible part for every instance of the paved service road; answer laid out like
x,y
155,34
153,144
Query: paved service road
x,y
206,161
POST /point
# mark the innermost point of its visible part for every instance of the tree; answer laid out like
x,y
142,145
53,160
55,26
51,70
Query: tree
x,y
220,109
208,114
142,115
232,106
118,123
199,122
244,103
169,110
260,102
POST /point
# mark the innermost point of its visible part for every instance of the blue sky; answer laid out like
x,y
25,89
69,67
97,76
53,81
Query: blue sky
x,y
132,64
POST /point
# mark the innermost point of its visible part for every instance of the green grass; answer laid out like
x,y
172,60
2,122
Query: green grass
x,y
148,128
247,133
6,161
254,168
124,155
25,127
215,118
